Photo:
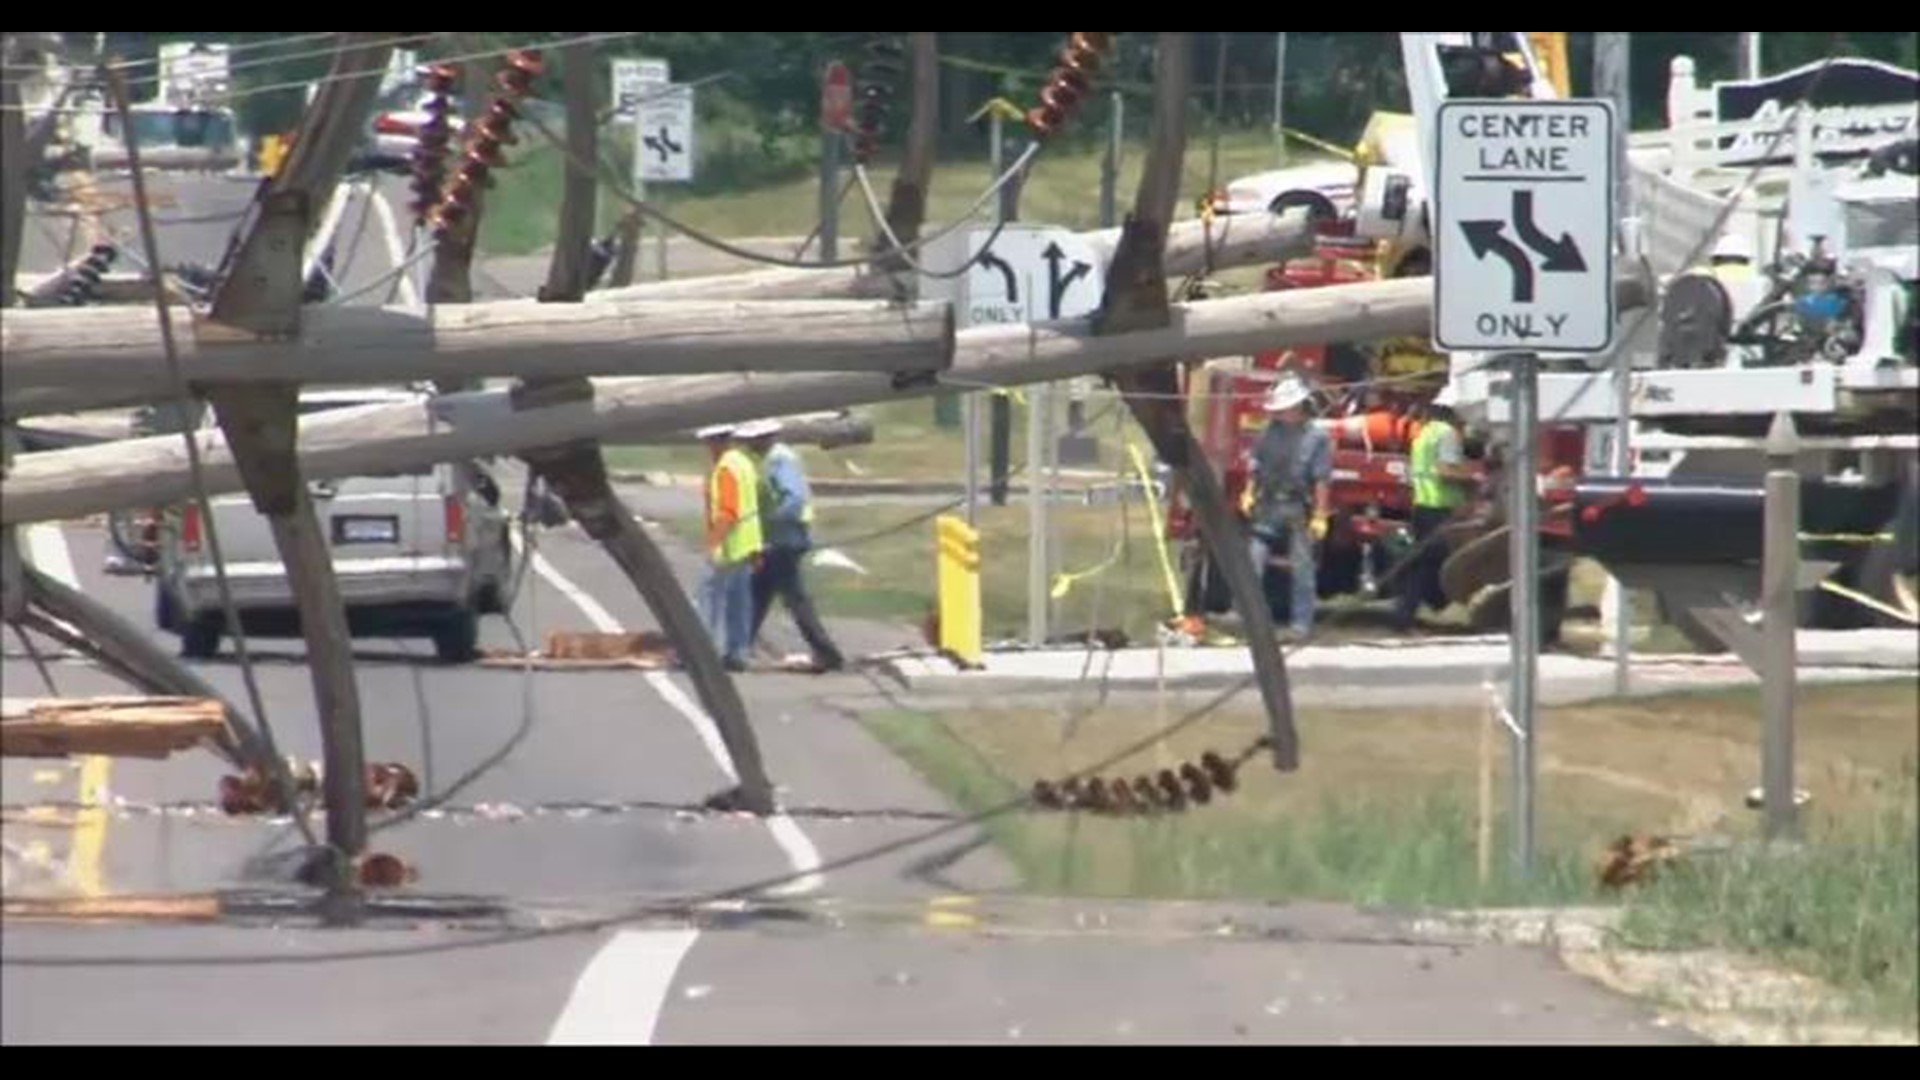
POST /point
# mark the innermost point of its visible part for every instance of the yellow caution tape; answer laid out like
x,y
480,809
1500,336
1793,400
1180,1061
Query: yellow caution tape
x,y
1846,538
1159,527
1063,583
1867,601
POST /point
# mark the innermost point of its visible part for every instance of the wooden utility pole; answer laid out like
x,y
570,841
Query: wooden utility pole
x,y
61,484
907,208
576,470
62,360
1136,300
261,296
16,165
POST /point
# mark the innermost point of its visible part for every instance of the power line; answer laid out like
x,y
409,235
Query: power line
x,y
644,910
131,65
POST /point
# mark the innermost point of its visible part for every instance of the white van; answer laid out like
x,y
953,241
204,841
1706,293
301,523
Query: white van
x,y
417,553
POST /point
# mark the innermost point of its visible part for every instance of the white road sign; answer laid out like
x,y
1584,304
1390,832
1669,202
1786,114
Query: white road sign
x,y
666,136
1525,219
1031,275
635,79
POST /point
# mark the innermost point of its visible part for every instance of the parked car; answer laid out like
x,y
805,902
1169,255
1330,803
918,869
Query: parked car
x,y
417,553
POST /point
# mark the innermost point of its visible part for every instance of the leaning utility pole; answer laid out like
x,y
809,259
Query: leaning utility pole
x,y
576,470
907,208
260,296
16,164
1136,300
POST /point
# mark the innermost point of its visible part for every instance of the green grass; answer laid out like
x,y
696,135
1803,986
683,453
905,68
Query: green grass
x,y
740,200
1844,909
1384,812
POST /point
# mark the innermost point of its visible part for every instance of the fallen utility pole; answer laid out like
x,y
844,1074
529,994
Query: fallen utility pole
x,y
576,471
1136,300
64,484
72,360
135,727
1244,240
259,295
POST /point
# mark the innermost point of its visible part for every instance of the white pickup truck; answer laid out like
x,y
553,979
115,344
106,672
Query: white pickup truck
x,y
420,553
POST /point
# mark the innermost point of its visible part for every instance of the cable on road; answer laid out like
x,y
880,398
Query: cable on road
x,y
641,911
39,662
183,401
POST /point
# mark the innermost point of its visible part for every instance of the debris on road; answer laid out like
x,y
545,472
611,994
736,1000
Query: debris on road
x,y
390,786
132,727
568,651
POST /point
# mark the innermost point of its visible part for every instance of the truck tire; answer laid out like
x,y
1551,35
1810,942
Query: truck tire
x,y
200,638
457,640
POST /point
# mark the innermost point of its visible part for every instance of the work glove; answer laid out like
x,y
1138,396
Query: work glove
x,y
1246,500
1320,525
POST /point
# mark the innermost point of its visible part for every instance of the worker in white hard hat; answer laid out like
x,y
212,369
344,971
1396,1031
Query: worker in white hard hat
x,y
1289,479
1732,259
786,508
1442,484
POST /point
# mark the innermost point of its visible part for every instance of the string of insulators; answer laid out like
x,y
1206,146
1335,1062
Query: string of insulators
x,y
83,280
429,156
876,82
1167,791
1070,83
488,140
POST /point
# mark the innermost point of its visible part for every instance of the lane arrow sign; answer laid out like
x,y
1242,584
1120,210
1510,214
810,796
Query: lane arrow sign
x,y
1060,285
1006,271
1489,238
1562,255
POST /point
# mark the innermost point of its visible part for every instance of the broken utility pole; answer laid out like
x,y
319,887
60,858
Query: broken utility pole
x,y
62,484
576,470
109,726
260,295
1136,299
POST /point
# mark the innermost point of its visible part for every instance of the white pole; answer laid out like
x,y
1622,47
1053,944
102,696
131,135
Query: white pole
x,y
1279,96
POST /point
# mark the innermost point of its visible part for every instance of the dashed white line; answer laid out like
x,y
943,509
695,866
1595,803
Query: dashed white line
x,y
397,251
800,851
619,996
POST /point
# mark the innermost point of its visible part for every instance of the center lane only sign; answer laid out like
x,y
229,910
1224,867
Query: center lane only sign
x,y
1525,220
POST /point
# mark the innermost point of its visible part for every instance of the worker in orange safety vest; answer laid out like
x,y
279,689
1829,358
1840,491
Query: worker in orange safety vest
x,y
734,546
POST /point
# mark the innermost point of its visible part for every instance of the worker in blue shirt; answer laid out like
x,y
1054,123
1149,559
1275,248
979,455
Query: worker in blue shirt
x,y
1289,500
786,508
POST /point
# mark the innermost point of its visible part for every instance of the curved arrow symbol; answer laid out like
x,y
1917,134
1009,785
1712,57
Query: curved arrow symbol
x,y
1562,255
1006,271
1060,285
1489,237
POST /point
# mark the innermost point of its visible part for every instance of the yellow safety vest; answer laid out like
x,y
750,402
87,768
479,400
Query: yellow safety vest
x,y
1430,489
743,540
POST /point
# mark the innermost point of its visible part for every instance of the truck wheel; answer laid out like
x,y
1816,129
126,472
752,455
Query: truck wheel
x,y
457,640
200,639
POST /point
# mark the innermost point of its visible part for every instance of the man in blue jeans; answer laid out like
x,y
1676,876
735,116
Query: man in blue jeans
x,y
786,509
1288,484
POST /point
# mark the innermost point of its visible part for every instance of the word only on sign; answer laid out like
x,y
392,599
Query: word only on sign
x,y
1525,224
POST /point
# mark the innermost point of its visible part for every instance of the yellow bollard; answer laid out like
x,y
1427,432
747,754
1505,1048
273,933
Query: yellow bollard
x,y
958,581
273,154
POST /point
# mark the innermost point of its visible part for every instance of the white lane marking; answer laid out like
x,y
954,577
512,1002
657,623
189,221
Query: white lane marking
x,y
396,251
793,843
619,996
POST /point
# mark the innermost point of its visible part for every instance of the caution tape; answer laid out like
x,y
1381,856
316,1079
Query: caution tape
x,y
1846,538
1159,527
1867,601
1064,583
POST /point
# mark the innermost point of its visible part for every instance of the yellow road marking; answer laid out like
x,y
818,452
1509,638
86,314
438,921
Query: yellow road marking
x,y
85,861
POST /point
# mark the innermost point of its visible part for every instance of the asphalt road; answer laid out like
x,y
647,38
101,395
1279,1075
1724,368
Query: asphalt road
x,y
872,951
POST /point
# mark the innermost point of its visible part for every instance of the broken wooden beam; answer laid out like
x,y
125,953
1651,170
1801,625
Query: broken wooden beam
x,y
64,484
136,727
72,360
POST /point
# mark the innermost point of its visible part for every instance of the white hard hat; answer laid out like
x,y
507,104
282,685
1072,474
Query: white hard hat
x,y
1448,397
1733,246
759,429
1289,391
716,431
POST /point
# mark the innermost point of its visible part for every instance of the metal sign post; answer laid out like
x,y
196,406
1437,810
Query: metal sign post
x,y
635,81
1524,265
